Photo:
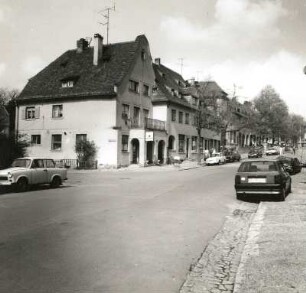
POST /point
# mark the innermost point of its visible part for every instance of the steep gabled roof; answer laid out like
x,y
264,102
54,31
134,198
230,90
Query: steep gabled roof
x,y
89,79
168,79
211,88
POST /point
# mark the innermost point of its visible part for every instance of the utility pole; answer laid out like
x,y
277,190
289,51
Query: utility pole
x,y
105,14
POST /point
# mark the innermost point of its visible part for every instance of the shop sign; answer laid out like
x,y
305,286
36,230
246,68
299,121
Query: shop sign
x,y
149,136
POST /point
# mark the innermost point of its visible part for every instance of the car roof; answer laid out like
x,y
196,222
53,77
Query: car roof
x,y
260,160
33,158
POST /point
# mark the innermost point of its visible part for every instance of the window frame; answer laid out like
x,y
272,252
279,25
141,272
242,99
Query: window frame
x,y
146,90
134,86
181,143
34,141
53,142
125,143
187,118
32,111
80,137
181,117
173,115
57,114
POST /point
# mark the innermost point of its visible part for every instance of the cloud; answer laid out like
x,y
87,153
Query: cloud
x,y
33,65
283,70
2,68
240,28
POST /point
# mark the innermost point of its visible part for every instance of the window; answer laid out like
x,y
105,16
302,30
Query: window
x,y
146,90
194,101
180,117
201,144
80,137
35,139
49,163
145,113
37,163
125,111
134,86
31,113
181,143
194,141
143,55
186,118
136,116
67,83
173,115
57,111
125,143
56,142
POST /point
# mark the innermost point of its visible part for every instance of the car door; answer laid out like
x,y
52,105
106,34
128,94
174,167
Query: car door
x,y
39,172
50,166
285,177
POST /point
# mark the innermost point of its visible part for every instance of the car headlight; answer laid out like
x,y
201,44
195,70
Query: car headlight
x,y
9,175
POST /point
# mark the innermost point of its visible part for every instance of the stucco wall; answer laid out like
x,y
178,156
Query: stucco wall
x,y
95,118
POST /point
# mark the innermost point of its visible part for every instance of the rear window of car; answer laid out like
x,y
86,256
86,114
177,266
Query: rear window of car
x,y
258,166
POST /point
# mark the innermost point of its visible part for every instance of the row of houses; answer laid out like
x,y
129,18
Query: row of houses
x,y
135,110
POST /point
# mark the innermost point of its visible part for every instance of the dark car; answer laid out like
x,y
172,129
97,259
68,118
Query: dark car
x,y
232,156
255,153
262,178
291,164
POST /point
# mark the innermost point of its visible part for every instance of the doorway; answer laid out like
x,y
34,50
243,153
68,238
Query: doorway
x,y
135,151
161,149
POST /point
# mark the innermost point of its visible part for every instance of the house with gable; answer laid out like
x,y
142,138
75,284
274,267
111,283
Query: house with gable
x,y
176,102
102,93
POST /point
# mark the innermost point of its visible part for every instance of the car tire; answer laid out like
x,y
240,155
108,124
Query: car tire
x,y
56,182
289,188
22,185
238,196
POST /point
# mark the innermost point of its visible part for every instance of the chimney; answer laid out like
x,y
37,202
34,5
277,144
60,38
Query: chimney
x,y
157,61
98,48
81,45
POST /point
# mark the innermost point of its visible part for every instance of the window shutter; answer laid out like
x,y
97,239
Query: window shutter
x,y
23,113
37,110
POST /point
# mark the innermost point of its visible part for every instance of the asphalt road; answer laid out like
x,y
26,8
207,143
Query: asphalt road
x,y
117,231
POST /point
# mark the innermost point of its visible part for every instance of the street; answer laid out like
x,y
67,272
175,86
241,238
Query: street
x,y
116,231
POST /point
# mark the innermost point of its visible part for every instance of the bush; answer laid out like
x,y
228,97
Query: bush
x,y
12,148
86,153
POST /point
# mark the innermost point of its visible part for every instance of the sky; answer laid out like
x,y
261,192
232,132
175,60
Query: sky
x,y
243,45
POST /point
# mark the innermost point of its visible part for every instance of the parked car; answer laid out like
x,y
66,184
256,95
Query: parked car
x,y
32,171
261,178
292,165
216,158
272,151
255,153
232,156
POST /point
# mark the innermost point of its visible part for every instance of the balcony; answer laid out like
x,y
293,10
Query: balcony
x,y
148,123
154,124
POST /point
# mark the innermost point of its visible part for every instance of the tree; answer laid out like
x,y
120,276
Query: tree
x,y
295,129
272,114
8,100
86,152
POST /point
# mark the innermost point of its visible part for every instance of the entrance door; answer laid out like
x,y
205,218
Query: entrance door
x,y
150,152
187,148
135,151
161,147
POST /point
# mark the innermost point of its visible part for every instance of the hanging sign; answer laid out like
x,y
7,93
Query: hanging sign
x,y
149,136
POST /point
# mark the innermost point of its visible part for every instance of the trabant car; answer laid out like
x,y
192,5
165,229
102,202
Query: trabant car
x,y
216,158
262,177
32,171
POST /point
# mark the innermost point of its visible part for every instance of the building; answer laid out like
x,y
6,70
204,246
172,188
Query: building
x,y
176,102
101,93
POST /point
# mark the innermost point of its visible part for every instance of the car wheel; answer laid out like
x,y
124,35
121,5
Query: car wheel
x,y
238,196
219,162
22,185
56,182
289,188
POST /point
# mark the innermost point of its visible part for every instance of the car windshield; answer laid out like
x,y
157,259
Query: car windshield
x,y
216,155
258,166
25,163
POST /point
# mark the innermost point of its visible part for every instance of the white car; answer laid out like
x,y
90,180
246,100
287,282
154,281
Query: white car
x,y
272,151
216,158
32,171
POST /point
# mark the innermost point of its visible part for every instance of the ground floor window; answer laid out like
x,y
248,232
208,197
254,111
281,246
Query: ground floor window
x,y
80,137
35,139
194,140
201,144
181,143
171,142
125,143
56,142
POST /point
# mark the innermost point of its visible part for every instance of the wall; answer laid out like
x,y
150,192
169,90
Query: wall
x,y
95,118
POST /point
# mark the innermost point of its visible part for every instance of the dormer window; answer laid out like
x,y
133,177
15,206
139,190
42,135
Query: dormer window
x,y
143,55
67,83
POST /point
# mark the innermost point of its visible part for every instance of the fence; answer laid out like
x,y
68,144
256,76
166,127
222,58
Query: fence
x,y
76,164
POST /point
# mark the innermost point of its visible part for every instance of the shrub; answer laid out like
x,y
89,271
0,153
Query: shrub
x,y
86,153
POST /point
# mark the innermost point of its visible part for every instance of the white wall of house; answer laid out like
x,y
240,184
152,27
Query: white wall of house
x,y
95,118
160,112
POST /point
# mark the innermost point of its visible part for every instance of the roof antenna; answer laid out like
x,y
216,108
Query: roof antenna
x,y
105,14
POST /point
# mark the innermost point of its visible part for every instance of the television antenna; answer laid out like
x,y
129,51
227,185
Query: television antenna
x,y
106,14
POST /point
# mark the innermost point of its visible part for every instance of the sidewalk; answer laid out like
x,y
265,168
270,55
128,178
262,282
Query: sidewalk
x,y
274,257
